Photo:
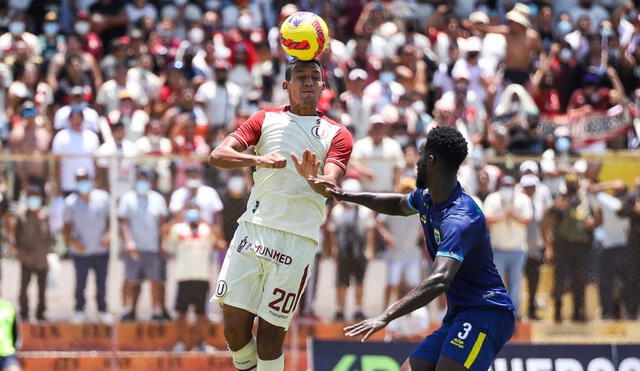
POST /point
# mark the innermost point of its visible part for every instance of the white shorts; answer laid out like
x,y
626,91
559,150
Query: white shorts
x,y
265,272
409,269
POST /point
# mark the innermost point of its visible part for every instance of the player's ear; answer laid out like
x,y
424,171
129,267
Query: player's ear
x,y
285,85
324,85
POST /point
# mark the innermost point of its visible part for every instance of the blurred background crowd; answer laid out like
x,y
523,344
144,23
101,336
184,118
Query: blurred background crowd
x,y
132,95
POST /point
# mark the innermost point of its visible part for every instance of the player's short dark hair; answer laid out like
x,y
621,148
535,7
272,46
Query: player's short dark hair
x,y
293,63
447,144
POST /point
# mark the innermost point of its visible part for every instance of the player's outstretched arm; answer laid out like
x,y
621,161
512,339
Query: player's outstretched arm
x,y
229,155
444,270
384,203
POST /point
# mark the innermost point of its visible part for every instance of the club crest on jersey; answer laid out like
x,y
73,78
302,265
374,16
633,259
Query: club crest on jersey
x,y
242,244
318,131
436,236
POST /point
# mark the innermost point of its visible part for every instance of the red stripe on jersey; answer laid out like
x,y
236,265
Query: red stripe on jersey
x,y
341,145
302,281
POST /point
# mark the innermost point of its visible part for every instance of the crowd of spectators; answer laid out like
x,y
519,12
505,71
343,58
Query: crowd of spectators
x,y
163,79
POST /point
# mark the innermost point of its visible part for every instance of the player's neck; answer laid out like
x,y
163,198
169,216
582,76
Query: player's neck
x,y
441,188
303,110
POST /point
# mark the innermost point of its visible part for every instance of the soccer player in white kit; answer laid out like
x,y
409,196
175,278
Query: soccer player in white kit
x,y
268,262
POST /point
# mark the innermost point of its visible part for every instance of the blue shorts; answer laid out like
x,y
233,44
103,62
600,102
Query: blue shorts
x,y
9,360
473,337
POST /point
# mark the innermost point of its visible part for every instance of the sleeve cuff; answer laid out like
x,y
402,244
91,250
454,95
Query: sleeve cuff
x,y
240,139
450,255
337,162
410,202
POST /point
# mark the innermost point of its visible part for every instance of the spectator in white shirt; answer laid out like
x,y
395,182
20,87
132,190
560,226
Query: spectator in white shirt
x,y
143,75
118,173
578,39
508,213
80,144
354,102
108,95
91,120
530,185
138,9
195,193
595,12
612,238
135,119
220,98
384,91
378,158
191,243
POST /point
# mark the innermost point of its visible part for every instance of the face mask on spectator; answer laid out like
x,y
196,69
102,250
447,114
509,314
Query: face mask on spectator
x,y
565,55
606,32
34,202
194,183
506,192
142,187
564,27
387,77
192,216
196,35
50,28
563,144
16,27
84,186
82,27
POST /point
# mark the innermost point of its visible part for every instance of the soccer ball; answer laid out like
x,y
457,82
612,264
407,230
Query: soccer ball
x,y
304,35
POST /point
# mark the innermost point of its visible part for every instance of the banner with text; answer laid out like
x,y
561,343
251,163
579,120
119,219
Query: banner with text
x,y
378,356
589,127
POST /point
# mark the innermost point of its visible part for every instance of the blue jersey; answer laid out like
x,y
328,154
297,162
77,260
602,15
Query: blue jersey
x,y
457,229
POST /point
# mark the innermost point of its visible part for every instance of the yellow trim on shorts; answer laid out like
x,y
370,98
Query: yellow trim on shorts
x,y
475,350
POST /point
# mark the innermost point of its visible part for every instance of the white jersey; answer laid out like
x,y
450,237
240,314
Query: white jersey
x,y
281,199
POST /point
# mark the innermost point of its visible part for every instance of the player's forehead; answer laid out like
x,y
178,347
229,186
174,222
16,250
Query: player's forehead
x,y
305,67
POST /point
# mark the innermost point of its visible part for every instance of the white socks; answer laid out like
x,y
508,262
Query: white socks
x,y
272,365
247,357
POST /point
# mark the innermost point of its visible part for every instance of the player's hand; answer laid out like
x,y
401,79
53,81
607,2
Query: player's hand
x,y
325,187
132,250
78,245
308,166
548,255
367,327
105,240
272,161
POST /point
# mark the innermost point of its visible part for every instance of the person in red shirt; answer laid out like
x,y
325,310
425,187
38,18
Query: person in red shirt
x,y
592,97
545,96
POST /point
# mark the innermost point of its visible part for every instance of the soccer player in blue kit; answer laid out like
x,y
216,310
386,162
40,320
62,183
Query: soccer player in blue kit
x,y
480,315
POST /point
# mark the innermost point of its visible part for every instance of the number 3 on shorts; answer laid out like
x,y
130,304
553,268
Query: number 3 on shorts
x,y
466,328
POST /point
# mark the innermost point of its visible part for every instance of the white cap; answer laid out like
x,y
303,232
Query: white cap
x,y
461,73
519,18
473,44
377,119
529,165
522,8
479,17
358,73
351,185
529,180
